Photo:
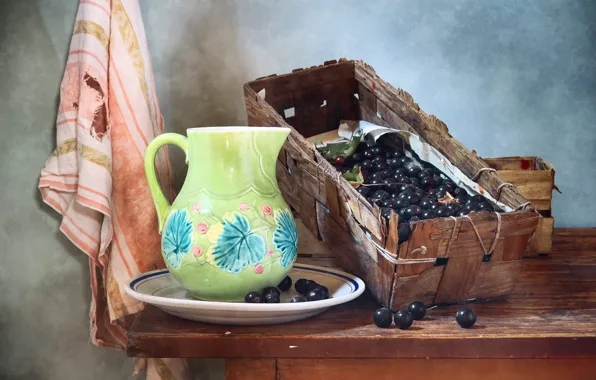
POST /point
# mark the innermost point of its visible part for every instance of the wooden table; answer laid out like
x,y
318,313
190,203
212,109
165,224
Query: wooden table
x,y
545,330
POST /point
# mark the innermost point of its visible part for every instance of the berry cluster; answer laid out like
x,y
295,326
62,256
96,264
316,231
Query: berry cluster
x,y
395,180
309,290
416,311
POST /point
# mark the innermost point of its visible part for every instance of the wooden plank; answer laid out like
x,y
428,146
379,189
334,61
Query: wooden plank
x,y
495,279
314,76
251,369
534,185
436,369
421,287
367,98
542,240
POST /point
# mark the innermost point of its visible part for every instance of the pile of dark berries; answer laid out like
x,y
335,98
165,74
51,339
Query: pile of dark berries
x,y
408,186
415,312
309,290
403,318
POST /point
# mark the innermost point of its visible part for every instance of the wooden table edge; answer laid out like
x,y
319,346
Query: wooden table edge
x,y
350,347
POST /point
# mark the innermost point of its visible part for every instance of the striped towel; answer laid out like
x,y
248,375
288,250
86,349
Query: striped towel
x,y
95,178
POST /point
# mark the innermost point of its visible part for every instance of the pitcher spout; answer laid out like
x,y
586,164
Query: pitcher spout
x,y
227,161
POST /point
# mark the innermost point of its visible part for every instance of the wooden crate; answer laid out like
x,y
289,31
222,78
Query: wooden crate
x,y
534,178
444,260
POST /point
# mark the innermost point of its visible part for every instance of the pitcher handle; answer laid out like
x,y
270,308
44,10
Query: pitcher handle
x,y
159,199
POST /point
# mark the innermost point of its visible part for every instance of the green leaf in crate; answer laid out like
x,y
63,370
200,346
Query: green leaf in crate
x,y
343,148
355,177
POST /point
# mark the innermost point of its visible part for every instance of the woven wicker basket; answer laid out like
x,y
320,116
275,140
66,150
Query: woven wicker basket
x,y
446,260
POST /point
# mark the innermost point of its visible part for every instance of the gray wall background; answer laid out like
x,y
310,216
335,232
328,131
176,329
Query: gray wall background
x,y
508,78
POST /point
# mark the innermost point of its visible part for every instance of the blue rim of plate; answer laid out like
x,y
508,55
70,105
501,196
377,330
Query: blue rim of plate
x,y
133,284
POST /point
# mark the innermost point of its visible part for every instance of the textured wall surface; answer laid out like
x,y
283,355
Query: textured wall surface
x,y
508,78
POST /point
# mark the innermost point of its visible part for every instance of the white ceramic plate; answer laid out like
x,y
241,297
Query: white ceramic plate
x,y
160,289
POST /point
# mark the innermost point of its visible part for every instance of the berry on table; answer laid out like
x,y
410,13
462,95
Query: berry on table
x,y
285,284
465,318
417,309
253,297
403,319
382,317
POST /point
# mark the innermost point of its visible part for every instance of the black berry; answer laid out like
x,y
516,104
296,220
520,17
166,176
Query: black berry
x,y
413,210
285,284
301,285
382,317
404,231
317,293
428,214
403,320
271,297
484,206
298,299
270,289
364,191
382,194
465,318
253,297
417,309
414,198
357,156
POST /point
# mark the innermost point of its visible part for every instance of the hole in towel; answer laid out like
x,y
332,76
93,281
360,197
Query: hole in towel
x,y
99,127
357,96
324,103
262,93
379,116
289,112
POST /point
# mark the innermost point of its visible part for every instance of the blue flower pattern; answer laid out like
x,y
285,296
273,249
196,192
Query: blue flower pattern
x,y
238,246
285,238
177,238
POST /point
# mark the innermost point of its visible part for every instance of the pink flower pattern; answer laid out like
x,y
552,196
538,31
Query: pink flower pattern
x,y
259,268
243,206
202,228
270,252
197,251
266,209
196,207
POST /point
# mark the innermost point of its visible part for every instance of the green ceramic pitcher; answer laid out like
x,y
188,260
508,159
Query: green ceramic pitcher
x,y
229,231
